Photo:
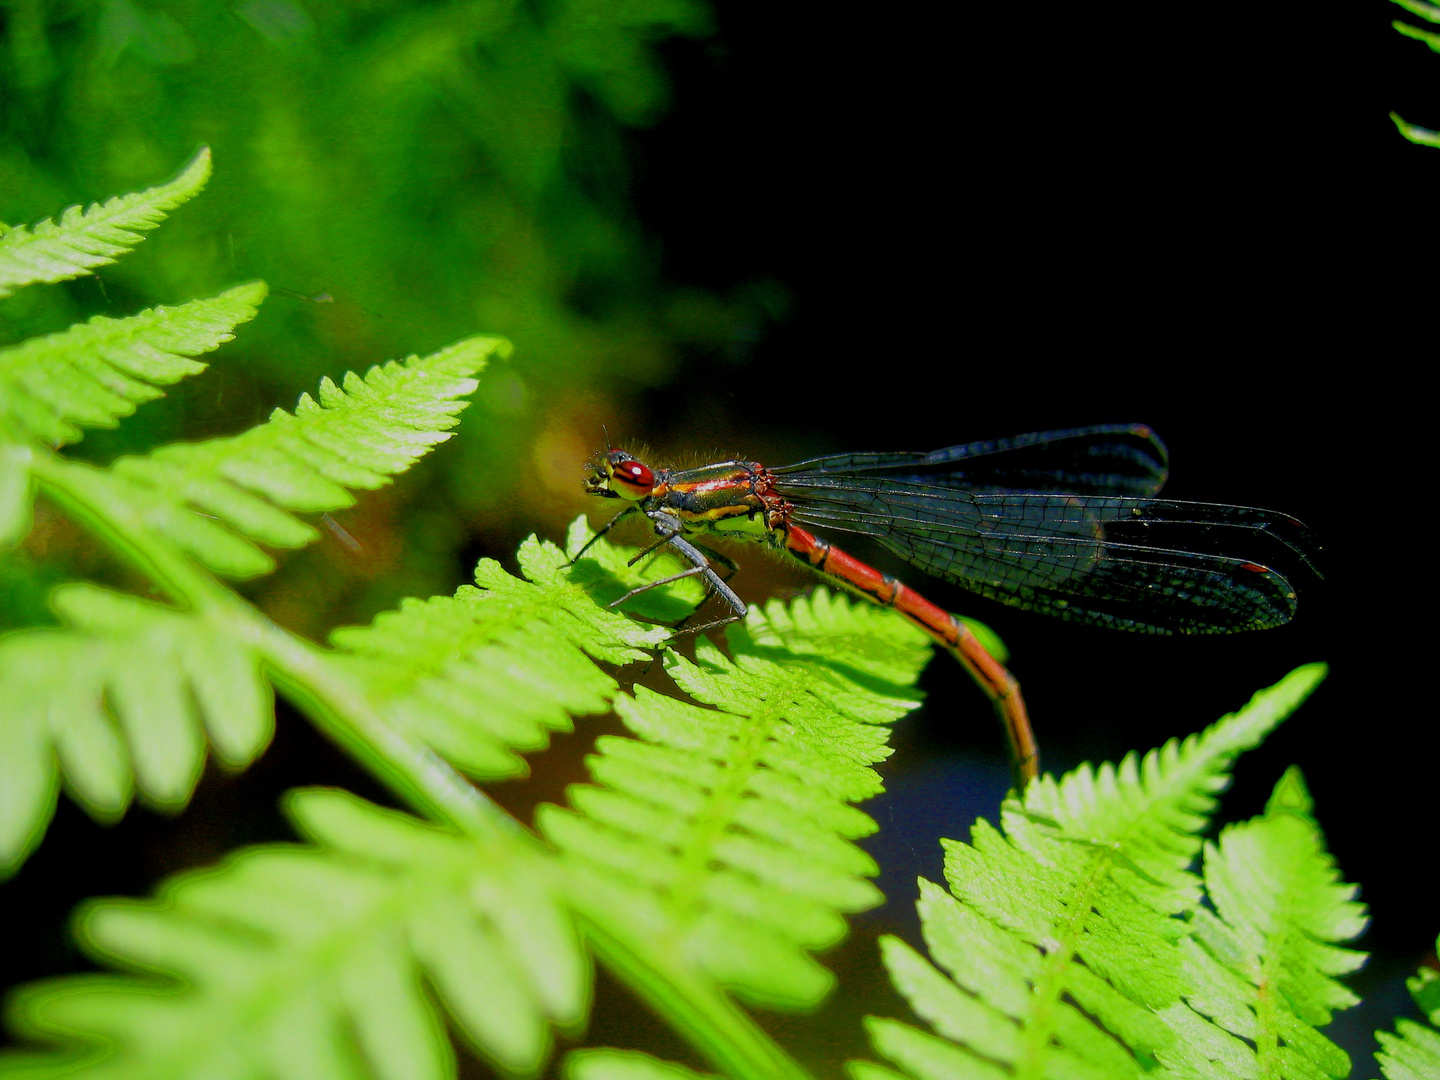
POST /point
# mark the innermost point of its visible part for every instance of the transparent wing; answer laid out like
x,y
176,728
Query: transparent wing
x,y
1109,459
1097,553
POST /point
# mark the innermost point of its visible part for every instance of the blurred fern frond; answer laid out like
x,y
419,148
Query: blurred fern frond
x,y
1413,1051
291,960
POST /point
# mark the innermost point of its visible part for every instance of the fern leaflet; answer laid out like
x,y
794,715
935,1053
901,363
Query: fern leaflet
x,y
1413,1052
1060,939
170,680
96,372
356,437
1261,965
83,239
610,1064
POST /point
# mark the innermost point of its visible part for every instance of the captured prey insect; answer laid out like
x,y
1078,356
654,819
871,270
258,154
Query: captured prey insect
x,y
1061,522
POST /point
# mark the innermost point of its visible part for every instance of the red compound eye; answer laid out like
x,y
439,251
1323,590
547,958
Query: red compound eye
x,y
629,478
635,473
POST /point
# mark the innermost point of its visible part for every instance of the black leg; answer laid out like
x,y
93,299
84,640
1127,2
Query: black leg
x,y
613,522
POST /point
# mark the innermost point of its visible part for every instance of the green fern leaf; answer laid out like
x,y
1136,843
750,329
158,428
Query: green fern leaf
x,y
17,492
96,372
519,646
1413,1052
271,963
1415,133
1060,940
720,840
625,1065
1262,965
358,437
124,698
1426,37
1419,7
84,239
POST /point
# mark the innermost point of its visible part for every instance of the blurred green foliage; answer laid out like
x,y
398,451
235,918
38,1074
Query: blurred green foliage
x,y
401,174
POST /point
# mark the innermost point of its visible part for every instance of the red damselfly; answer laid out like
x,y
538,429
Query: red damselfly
x,y
1061,522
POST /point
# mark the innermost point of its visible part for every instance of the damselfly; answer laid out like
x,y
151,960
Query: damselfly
x,y
1062,522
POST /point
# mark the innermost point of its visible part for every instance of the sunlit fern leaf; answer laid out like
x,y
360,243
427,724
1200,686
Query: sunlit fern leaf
x,y
324,960
127,696
17,491
1413,1052
1415,133
610,1064
722,834
83,239
214,498
518,645
1427,37
1419,7
98,371
606,573
1058,936
1261,966
868,1070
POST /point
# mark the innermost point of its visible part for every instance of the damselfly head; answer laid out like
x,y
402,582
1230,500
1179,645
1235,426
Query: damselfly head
x,y
630,479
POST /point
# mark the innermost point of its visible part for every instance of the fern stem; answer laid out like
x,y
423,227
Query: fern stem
x,y
79,490
330,698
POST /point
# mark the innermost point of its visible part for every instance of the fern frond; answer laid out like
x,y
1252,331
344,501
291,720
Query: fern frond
x,y
83,239
1261,966
356,437
720,839
125,697
519,646
270,964
1060,939
96,372
1413,1052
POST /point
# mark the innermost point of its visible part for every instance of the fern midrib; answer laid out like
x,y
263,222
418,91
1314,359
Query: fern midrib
x,y
719,810
1040,1024
412,670
1267,988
